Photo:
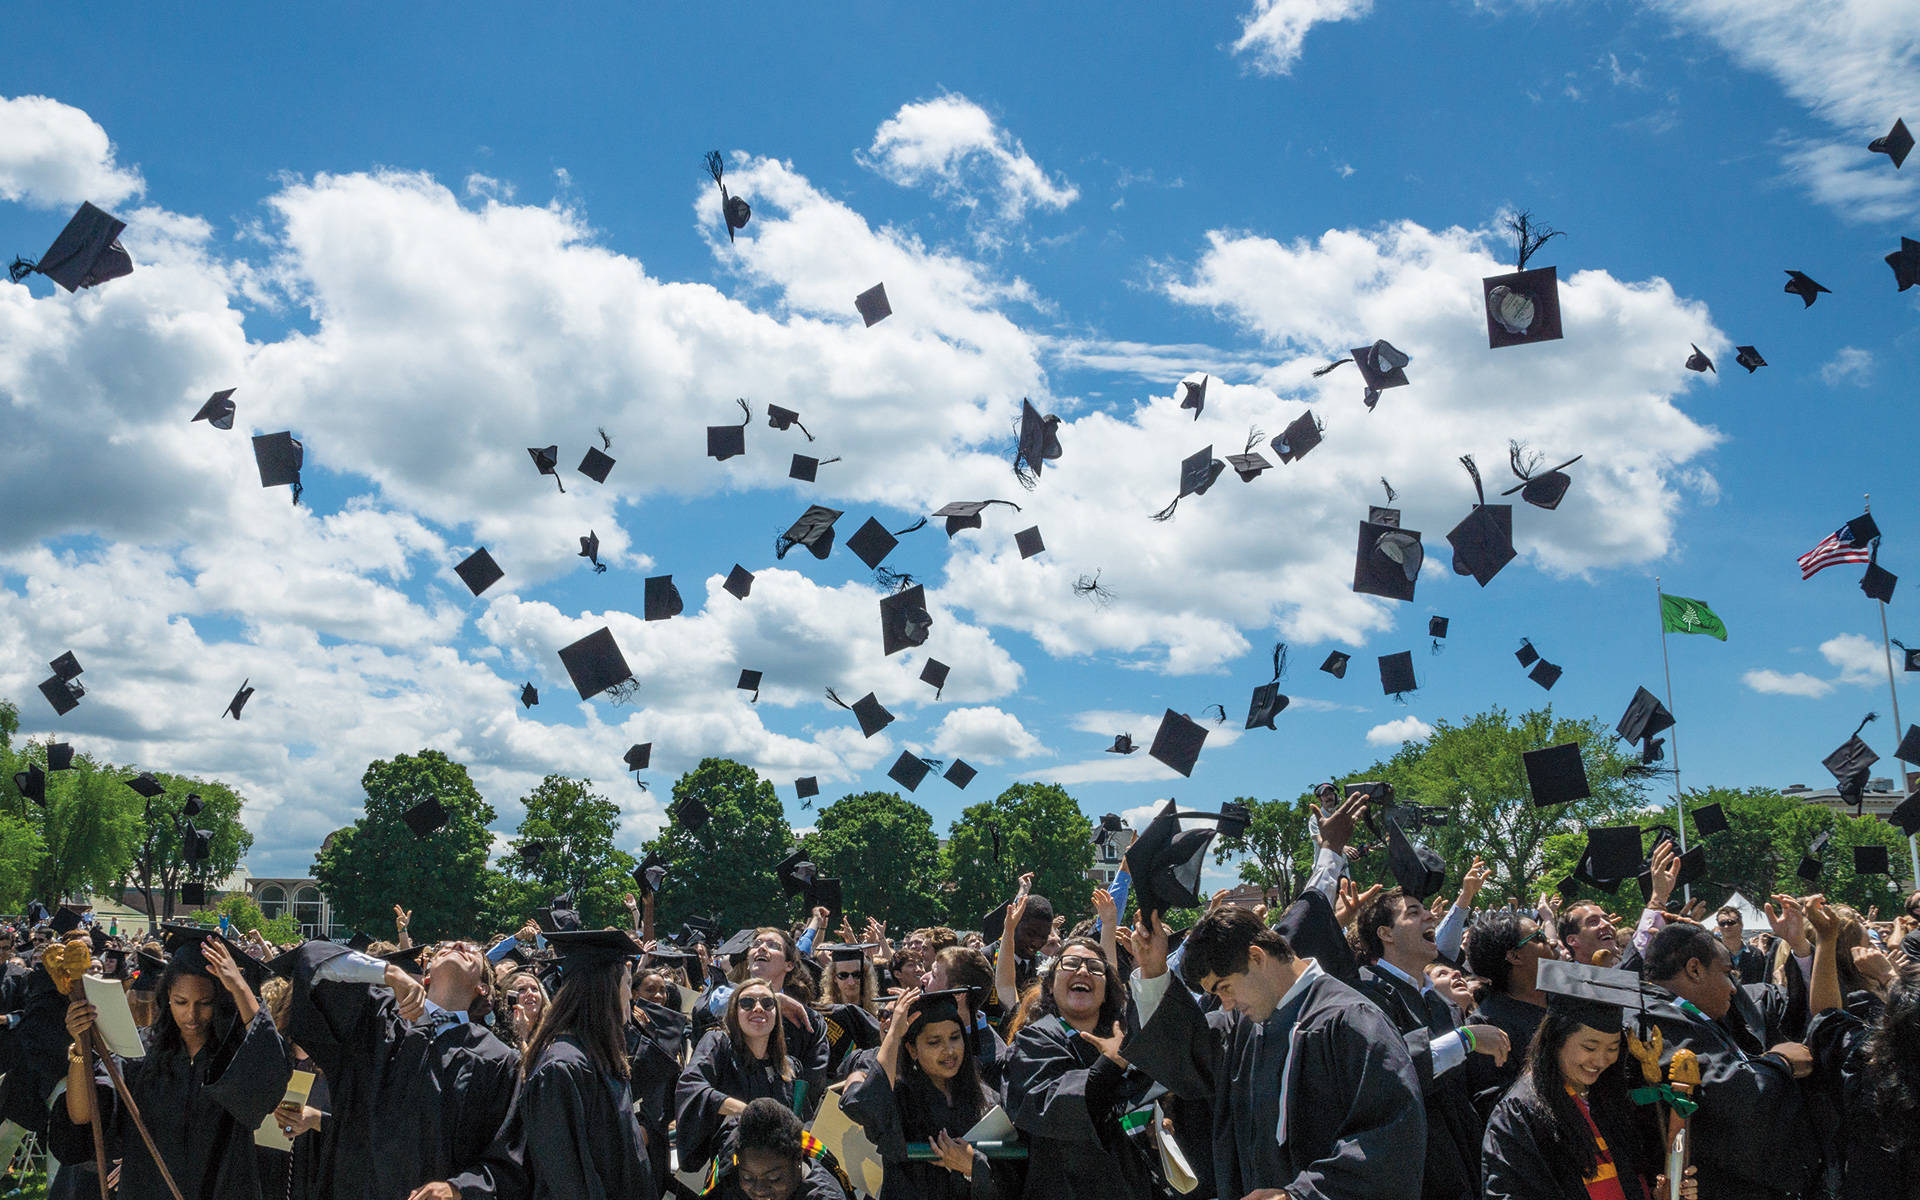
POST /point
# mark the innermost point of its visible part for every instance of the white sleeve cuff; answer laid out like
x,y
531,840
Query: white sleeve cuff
x,y
1449,1051
1147,993
351,967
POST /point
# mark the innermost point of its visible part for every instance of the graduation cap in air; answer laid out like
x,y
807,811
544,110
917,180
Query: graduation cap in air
x,y
1267,702
32,784
1110,824
806,787
1545,674
594,663
1039,444
1029,542
596,464
1197,473
814,530
1645,717
1906,814
279,456
662,599
1381,365
796,872
87,252
478,571
67,667
908,770
1387,560
784,419
1336,664
1168,856
739,582
196,844
1749,358
904,620
1416,867
1698,360
871,543
146,785
1850,765
1248,466
546,460
1612,856
638,756
1896,145
1302,435
734,210
1709,819
1871,860
531,852
966,514
194,805
1907,752
1878,582
1396,673
934,675
239,701
186,944
529,695
1437,627
729,441
873,305
749,682
806,468
425,817
59,756
1542,489
1556,775
1905,263
691,813
959,774
1122,744
1194,396
590,550
1803,286
1523,307
1692,867
63,694
218,410
1177,742
1483,540
872,715
1810,864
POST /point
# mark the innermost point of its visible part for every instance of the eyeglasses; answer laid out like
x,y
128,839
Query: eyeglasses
x,y
750,1003
1523,941
1071,965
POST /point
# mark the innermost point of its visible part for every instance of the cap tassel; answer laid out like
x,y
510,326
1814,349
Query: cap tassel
x,y
1255,435
1091,587
1219,708
20,268
1529,237
298,488
916,527
1166,514
606,442
1331,367
716,166
1279,661
1872,716
894,581
835,697
1391,494
1473,469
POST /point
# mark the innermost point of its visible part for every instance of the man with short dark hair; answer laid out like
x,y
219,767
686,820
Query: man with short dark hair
x,y
1748,963
1588,933
1505,948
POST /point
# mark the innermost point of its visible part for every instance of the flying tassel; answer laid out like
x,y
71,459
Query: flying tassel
x,y
1523,461
747,418
1331,367
1473,469
20,268
716,166
1872,716
913,528
1391,494
834,696
1529,237
1219,708
892,580
627,691
1279,661
1091,587
606,442
1255,435
1166,514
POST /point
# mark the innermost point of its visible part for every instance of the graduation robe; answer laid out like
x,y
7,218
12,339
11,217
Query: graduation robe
x,y
201,1112
849,1028
409,1107
1454,1128
577,1133
714,1075
1068,1099
878,1108
653,1064
1486,1082
1320,1099
33,1052
1869,1169
1520,1165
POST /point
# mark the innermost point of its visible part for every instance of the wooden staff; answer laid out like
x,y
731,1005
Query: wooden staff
x,y
1683,1074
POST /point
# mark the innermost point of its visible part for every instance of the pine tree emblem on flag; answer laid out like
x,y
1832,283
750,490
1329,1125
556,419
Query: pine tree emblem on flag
x,y
1681,615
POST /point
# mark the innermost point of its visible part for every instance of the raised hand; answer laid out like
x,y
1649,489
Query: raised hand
x,y
1148,941
224,970
401,918
1336,827
1109,1046
1789,922
1476,878
1103,907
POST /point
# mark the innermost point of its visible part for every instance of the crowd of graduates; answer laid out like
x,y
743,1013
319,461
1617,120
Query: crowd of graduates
x,y
1351,1044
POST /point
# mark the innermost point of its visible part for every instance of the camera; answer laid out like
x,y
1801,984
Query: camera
x,y
1379,794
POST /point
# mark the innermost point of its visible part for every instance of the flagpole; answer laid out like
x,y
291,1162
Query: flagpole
x,y
1886,647
1673,736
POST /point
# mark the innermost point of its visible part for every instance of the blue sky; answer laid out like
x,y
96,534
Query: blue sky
x,y
423,243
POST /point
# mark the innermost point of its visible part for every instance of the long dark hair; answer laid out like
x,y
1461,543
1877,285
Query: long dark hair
x,y
585,1007
917,1089
1893,1061
165,1044
1549,1109
1112,1003
776,1041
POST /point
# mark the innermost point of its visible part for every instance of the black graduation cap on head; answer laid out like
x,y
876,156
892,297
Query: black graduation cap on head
x,y
814,530
662,599
1267,702
1122,744
1039,444
546,460
1030,542
239,701
691,813
729,441
218,410
639,756
904,620
1336,664
1803,286
590,550
1851,763
1896,145
934,675
1749,358
596,464
734,210
1416,868
279,456
32,784
1556,775
87,252
425,817
65,921
186,944
582,946
1542,489
594,663
407,960
59,756
1194,396
1396,673
739,582
478,571
1178,741
872,715
146,785
1387,560
908,770
1597,997
1698,360
959,774
359,941
1302,435
529,695
965,514
1645,717
873,305
1810,864
785,418
1905,263
1197,473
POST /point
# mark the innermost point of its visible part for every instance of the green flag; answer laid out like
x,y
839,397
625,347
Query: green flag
x,y
1681,615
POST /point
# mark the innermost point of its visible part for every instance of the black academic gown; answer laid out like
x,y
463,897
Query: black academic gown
x,y
849,1028
711,1077
892,1119
1454,1128
33,1052
1522,1165
1486,1082
1068,1098
409,1106
1320,1099
576,1131
201,1112
295,1174
1752,1138
653,1063
1868,1168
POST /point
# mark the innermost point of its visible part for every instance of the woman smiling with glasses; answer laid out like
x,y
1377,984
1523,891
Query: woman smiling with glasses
x,y
744,1060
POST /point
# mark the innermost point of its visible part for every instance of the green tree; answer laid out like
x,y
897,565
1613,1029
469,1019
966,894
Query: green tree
x,y
724,871
1040,829
90,828
377,862
1275,850
244,916
159,864
574,827
883,850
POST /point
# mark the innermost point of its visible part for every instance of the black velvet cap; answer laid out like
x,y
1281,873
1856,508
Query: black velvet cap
x,y
1396,673
1522,307
908,771
1437,627
146,785
594,663
1300,436
934,674
1906,264
873,305
814,530
691,813
1896,145
1483,542
871,543
1556,775
904,620
807,787
1545,674
959,774
279,457
1613,853
1597,997
478,571
1698,360
1266,704
239,701
1387,561
1803,286
1709,819
1749,358
596,464
582,946
425,817
218,410
1645,717
1336,664
1878,583
1849,766
1871,860
1249,465
1908,751
1416,868
639,756
1194,396
87,252
739,582
661,599
1178,741
1029,542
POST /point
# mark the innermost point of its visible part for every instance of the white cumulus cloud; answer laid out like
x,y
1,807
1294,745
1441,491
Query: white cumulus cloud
x,y
984,734
954,146
1406,729
1272,32
53,155
1770,682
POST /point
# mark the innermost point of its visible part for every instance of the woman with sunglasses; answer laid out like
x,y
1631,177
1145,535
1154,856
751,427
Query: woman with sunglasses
x,y
743,1060
848,1008
1071,1093
773,958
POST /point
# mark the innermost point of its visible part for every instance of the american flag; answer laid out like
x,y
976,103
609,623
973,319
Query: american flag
x,y
1851,543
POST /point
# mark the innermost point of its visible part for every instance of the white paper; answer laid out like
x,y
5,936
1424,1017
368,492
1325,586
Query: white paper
x,y
1173,1161
113,1021
841,1134
299,1087
995,1126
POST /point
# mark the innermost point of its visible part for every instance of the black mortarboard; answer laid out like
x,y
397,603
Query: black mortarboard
x,y
795,872
1178,741
67,666
218,410
1029,541
849,951
814,530
546,460
934,675
1416,868
1109,823
662,599
1596,997
806,468
1396,673
1907,814
871,543
1122,744
908,771
596,464
729,441
734,210
1749,358
1545,674
1197,473
1542,489
1522,307
1302,435
1266,704
1166,860
1896,145
904,620
194,805
1871,860
151,967
62,694
1850,765
1194,396
1878,583
1249,465
739,582
65,921
639,756
1039,444
530,853
146,785
59,756
407,960
691,813
872,715
279,457
785,418
529,695
873,305
239,700
1908,751
1644,718
1336,664
1698,360
32,784
1437,627
959,774
185,943
425,817
1382,367
1709,819
749,682
1803,286
583,946
594,663
1906,264
1556,775
196,844
1810,864
1483,542
1387,561
590,550
86,253
359,941
1526,654
806,787
1612,855
478,571
965,514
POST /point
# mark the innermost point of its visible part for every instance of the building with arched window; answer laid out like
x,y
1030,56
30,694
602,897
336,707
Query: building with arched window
x,y
299,898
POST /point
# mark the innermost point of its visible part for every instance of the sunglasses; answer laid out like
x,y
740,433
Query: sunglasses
x,y
1523,941
1727,924
846,974
751,1003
